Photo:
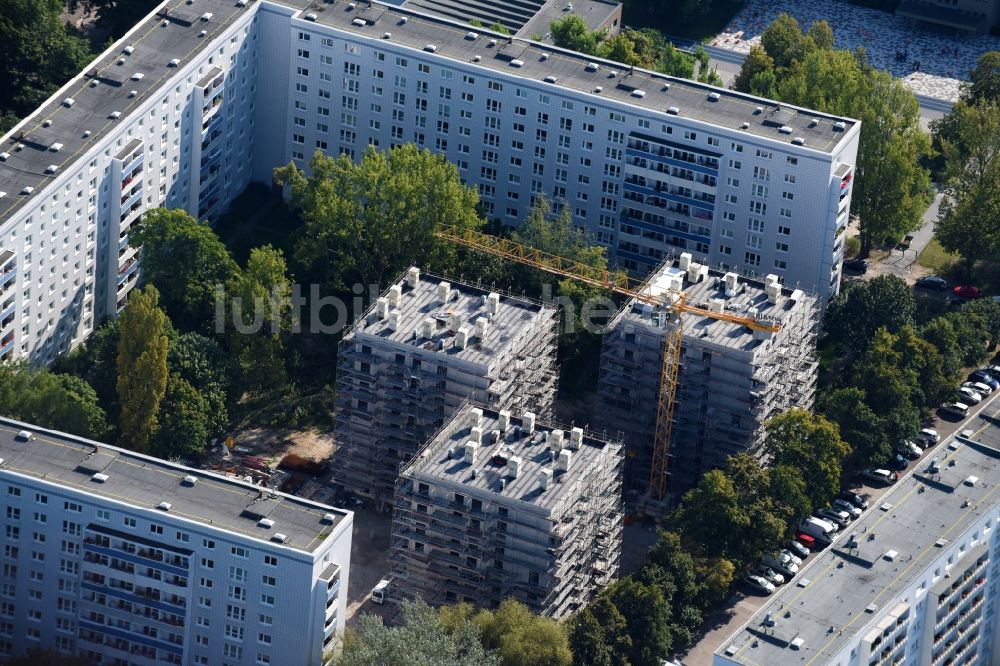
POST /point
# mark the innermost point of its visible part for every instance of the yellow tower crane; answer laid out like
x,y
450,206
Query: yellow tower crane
x,y
672,302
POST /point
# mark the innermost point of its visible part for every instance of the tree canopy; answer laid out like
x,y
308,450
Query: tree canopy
x,y
864,307
50,400
890,186
372,219
186,262
142,368
419,641
38,54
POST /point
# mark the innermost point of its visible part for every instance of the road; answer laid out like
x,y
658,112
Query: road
x,y
740,608
728,64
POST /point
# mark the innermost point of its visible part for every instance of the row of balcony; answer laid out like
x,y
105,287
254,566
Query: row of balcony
x,y
682,157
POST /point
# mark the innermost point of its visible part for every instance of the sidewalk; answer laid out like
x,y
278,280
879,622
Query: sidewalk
x,y
904,262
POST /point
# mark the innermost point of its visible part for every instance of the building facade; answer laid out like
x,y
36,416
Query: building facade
x,y
498,507
199,99
959,15
914,581
423,349
731,379
127,559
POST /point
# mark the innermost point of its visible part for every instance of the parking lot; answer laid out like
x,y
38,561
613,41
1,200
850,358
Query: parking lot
x,y
743,604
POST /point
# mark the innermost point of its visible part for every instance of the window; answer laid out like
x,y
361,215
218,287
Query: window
x,y
787,195
764,154
780,263
129,521
752,259
271,560
156,529
781,247
786,212
72,507
784,231
237,592
789,178
270,580
264,638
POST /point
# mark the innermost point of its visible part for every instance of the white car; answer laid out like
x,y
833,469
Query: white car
x,y
792,556
928,437
769,574
760,584
781,563
980,388
969,396
836,515
844,505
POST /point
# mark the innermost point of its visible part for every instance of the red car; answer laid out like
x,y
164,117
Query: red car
x,y
967,291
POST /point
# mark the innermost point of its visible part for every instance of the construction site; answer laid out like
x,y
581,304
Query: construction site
x,y
496,506
422,349
730,379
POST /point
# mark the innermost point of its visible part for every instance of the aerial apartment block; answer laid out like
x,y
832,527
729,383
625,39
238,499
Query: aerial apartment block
x,y
127,559
423,349
915,580
200,98
731,379
499,506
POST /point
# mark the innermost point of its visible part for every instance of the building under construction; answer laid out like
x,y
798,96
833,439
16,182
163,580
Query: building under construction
x,y
422,349
730,381
497,507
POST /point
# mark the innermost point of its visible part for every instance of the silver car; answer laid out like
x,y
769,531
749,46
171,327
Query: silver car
x,y
844,505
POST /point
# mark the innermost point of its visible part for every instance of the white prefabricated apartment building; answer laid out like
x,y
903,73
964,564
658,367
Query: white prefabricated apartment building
x,y
127,559
202,97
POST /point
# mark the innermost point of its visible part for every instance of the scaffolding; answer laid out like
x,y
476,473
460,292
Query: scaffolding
x,y
469,531
396,387
729,380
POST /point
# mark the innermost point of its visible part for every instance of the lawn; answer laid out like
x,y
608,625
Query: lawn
x,y
653,14
937,258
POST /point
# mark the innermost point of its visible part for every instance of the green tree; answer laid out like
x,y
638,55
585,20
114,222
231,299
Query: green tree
x,y
500,27
989,310
50,400
860,426
984,80
183,421
606,644
756,62
972,334
571,32
969,218
142,368
419,641
96,362
711,515
373,219
522,638
205,366
863,307
940,333
186,261
262,292
821,35
784,42
645,612
788,489
38,54
812,445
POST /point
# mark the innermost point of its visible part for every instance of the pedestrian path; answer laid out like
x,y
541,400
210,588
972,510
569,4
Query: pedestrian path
x,y
931,64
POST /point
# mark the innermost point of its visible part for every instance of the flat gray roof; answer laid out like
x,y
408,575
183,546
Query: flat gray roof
x,y
594,13
642,89
155,45
748,298
910,519
144,482
491,464
514,317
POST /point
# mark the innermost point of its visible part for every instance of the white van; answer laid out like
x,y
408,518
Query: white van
x,y
820,530
380,591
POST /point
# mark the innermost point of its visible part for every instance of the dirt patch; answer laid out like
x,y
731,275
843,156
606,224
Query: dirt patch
x,y
276,444
369,565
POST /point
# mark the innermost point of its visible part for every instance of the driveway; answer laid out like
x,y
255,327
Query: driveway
x,y
904,262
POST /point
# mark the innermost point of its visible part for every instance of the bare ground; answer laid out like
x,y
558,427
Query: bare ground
x,y
277,443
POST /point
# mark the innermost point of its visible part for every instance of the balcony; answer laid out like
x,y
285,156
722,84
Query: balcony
x,y
7,344
134,163
132,198
8,275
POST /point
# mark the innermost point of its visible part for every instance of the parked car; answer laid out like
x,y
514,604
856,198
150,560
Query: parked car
x,y
769,574
968,396
781,563
980,388
967,291
808,541
898,462
932,282
841,518
954,409
798,548
380,591
993,371
795,558
844,505
928,437
910,449
759,584
984,377
883,476
859,266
